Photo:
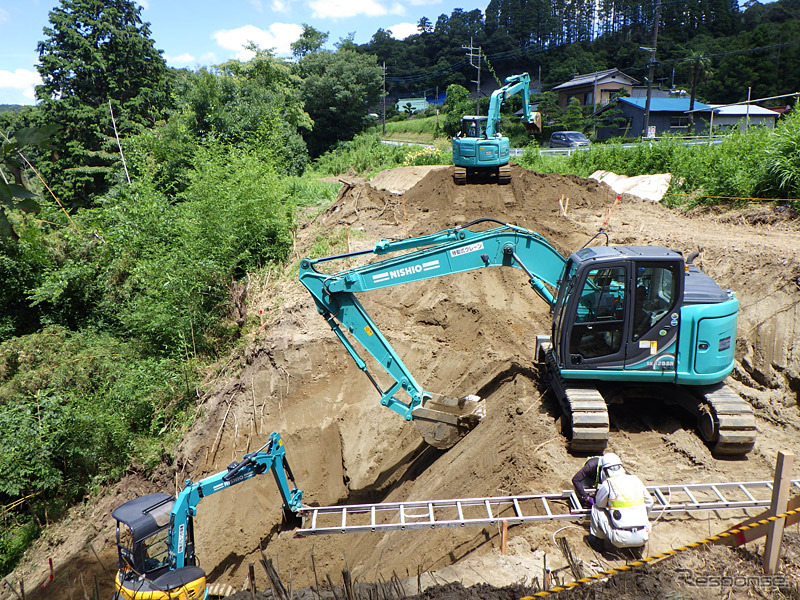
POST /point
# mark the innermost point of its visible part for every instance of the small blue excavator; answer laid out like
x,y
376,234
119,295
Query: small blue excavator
x,y
628,322
155,533
480,147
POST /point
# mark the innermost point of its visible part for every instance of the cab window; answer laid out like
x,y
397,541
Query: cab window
x,y
600,314
655,296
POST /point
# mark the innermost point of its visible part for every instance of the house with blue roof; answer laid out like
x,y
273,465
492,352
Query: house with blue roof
x,y
667,115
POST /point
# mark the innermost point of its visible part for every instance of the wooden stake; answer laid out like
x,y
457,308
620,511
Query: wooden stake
x,y
251,573
780,498
503,536
545,573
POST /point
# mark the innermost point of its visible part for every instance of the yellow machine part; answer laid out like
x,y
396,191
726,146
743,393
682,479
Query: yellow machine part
x,y
194,590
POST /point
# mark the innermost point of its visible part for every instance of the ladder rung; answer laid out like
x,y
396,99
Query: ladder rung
x,y
460,511
344,517
546,506
688,493
430,512
517,508
719,494
488,509
660,497
746,492
372,516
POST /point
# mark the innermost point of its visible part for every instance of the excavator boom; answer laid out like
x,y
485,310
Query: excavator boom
x,y
447,252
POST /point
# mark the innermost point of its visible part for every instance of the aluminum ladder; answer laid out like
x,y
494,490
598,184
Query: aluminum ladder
x,y
515,510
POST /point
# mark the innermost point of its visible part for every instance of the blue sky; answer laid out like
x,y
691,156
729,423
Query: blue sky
x,y
202,32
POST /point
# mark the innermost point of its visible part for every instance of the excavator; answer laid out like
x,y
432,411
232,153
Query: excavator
x,y
155,533
479,147
628,322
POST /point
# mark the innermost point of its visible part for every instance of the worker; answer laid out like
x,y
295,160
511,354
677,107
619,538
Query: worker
x,y
619,509
587,478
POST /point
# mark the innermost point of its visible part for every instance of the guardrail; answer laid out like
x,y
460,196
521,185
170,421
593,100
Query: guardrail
x,y
515,152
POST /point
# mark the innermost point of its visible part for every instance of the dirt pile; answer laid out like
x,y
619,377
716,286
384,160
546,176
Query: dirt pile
x,y
466,334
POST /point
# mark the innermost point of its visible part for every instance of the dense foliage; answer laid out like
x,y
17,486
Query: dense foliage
x,y
759,163
754,46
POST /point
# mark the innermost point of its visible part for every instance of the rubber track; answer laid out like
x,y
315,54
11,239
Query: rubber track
x,y
460,175
584,406
735,420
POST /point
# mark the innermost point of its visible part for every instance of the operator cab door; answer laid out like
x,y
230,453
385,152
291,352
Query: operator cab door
x,y
658,290
591,318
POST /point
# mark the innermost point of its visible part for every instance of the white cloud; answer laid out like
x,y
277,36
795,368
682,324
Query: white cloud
x,y
145,4
402,30
339,9
181,59
257,5
279,36
21,80
280,6
4,16
422,2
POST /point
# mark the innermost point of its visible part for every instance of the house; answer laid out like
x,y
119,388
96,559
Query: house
x,y
594,88
667,115
727,117
411,105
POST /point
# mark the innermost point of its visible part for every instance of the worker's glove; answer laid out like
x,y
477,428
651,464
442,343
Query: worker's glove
x,y
590,501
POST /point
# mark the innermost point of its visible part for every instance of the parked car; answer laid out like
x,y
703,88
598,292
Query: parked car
x,y
569,139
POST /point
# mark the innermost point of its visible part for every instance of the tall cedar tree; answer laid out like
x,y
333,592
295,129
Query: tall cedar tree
x,y
96,51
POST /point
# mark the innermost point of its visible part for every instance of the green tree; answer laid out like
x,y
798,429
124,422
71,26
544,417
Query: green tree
x,y
96,56
311,40
338,89
456,104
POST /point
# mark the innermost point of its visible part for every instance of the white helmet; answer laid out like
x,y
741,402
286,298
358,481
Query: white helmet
x,y
610,464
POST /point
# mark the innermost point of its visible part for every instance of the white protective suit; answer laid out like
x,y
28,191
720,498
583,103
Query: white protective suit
x,y
619,514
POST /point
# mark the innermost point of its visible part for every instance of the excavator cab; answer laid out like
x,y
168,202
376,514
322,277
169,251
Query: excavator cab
x,y
144,559
617,310
473,127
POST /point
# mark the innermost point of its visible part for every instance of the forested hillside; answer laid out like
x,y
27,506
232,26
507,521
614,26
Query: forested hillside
x,y
732,47
138,202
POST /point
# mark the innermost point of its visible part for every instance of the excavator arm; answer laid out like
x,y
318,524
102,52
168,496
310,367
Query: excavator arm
x,y
447,252
514,85
271,456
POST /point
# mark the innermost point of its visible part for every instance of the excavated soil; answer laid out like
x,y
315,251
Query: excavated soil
x,y
465,334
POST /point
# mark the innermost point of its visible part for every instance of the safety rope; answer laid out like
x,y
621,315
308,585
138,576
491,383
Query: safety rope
x,y
638,563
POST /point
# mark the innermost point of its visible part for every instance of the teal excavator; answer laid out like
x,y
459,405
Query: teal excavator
x,y
480,147
155,533
628,322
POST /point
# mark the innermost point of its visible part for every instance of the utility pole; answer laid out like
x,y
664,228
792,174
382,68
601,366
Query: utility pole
x,y
384,98
472,56
652,67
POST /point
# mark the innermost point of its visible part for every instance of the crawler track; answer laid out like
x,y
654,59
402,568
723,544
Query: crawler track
x,y
726,421
585,410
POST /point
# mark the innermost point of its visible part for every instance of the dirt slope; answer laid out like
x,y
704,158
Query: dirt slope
x,y
471,333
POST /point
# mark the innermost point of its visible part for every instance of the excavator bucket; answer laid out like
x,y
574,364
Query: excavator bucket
x,y
535,124
443,422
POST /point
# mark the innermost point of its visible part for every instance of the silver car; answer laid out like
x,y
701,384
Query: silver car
x,y
569,139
